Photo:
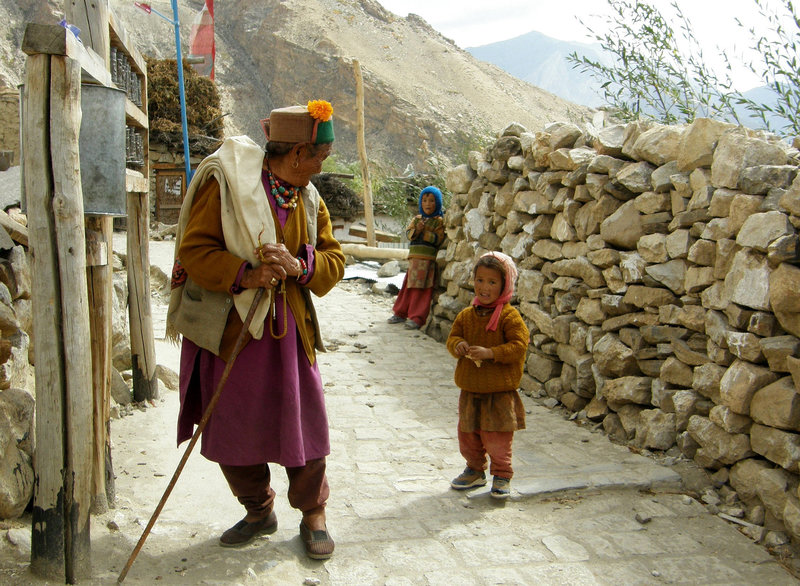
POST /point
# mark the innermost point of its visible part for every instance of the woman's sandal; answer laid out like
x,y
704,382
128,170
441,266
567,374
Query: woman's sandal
x,y
244,532
318,544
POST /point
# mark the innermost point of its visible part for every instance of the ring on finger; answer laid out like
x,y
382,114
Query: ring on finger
x,y
274,281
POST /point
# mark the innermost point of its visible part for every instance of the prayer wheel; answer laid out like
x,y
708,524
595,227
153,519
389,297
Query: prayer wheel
x,y
102,150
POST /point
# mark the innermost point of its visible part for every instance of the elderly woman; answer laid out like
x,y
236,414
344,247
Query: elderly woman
x,y
253,220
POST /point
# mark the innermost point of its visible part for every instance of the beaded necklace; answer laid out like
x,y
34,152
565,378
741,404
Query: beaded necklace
x,y
280,192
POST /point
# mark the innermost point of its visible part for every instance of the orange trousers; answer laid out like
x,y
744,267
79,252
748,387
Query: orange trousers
x,y
476,445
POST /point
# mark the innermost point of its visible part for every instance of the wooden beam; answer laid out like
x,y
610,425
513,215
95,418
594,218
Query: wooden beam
x,y
124,40
145,382
67,209
100,289
92,20
135,114
17,231
52,39
370,252
47,539
135,182
358,230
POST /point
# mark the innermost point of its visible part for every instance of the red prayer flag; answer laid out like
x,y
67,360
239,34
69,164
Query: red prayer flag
x,y
201,41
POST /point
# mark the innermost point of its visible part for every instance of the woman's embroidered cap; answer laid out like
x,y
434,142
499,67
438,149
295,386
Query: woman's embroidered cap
x,y
311,123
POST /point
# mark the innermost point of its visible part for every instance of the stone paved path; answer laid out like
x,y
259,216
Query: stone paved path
x,y
392,407
572,517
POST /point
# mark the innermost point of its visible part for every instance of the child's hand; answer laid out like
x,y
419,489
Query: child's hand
x,y
462,348
480,353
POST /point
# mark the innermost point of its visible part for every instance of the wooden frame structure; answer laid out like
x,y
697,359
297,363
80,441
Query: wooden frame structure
x,y
170,189
73,287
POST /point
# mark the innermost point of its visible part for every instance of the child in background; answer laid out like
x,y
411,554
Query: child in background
x,y
490,340
426,234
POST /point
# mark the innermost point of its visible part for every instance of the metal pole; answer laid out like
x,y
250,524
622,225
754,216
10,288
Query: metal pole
x,y
177,24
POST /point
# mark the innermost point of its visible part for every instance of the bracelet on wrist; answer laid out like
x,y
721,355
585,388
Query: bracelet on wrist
x,y
303,267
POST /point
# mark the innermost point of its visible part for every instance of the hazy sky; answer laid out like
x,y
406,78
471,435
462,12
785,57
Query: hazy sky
x,y
471,23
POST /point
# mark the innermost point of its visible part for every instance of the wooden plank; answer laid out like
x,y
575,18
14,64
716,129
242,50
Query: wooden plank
x,y
65,122
145,383
120,37
92,21
135,117
358,230
16,230
49,39
135,182
47,536
52,39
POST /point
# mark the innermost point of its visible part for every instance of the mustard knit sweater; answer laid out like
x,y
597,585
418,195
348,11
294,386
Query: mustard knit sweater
x,y
509,344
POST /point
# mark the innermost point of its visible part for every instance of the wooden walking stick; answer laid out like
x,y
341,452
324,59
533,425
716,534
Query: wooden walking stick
x,y
200,426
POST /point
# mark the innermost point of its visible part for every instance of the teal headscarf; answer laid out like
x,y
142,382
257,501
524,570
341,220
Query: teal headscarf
x,y
438,195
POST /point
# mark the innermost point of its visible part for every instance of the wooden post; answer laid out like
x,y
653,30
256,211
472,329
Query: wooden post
x,y
60,547
92,20
47,542
362,152
145,383
99,282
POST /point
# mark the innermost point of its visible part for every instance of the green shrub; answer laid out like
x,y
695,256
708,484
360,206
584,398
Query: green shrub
x,y
659,72
395,196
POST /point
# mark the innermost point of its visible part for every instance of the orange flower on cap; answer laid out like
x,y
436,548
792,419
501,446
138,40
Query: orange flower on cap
x,y
320,110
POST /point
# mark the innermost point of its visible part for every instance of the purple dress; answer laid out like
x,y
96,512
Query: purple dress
x,y
272,408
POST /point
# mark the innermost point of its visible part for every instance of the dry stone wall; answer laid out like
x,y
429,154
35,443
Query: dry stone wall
x,y
660,280
16,380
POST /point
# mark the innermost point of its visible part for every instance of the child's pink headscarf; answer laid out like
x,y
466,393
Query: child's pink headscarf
x,y
508,290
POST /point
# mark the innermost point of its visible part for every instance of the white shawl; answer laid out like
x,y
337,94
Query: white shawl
x,y
246,212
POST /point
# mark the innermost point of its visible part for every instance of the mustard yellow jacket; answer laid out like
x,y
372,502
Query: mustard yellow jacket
x,y
210,265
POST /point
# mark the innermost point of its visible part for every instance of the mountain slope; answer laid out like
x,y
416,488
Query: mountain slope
x,y
542,61
425,98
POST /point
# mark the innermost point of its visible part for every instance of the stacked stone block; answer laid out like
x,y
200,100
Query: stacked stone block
x,y
16,381
659,278
9,126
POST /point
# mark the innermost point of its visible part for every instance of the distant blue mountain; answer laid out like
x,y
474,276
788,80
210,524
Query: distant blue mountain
x,y
542,61
761,95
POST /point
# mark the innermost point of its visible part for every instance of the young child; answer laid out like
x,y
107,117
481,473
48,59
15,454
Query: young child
x,y
490,340
426,234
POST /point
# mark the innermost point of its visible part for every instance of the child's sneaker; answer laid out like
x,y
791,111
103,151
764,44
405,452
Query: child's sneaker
x,y
469,478
501,487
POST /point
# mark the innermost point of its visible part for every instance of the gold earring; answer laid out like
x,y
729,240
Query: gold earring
x,y
295,164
